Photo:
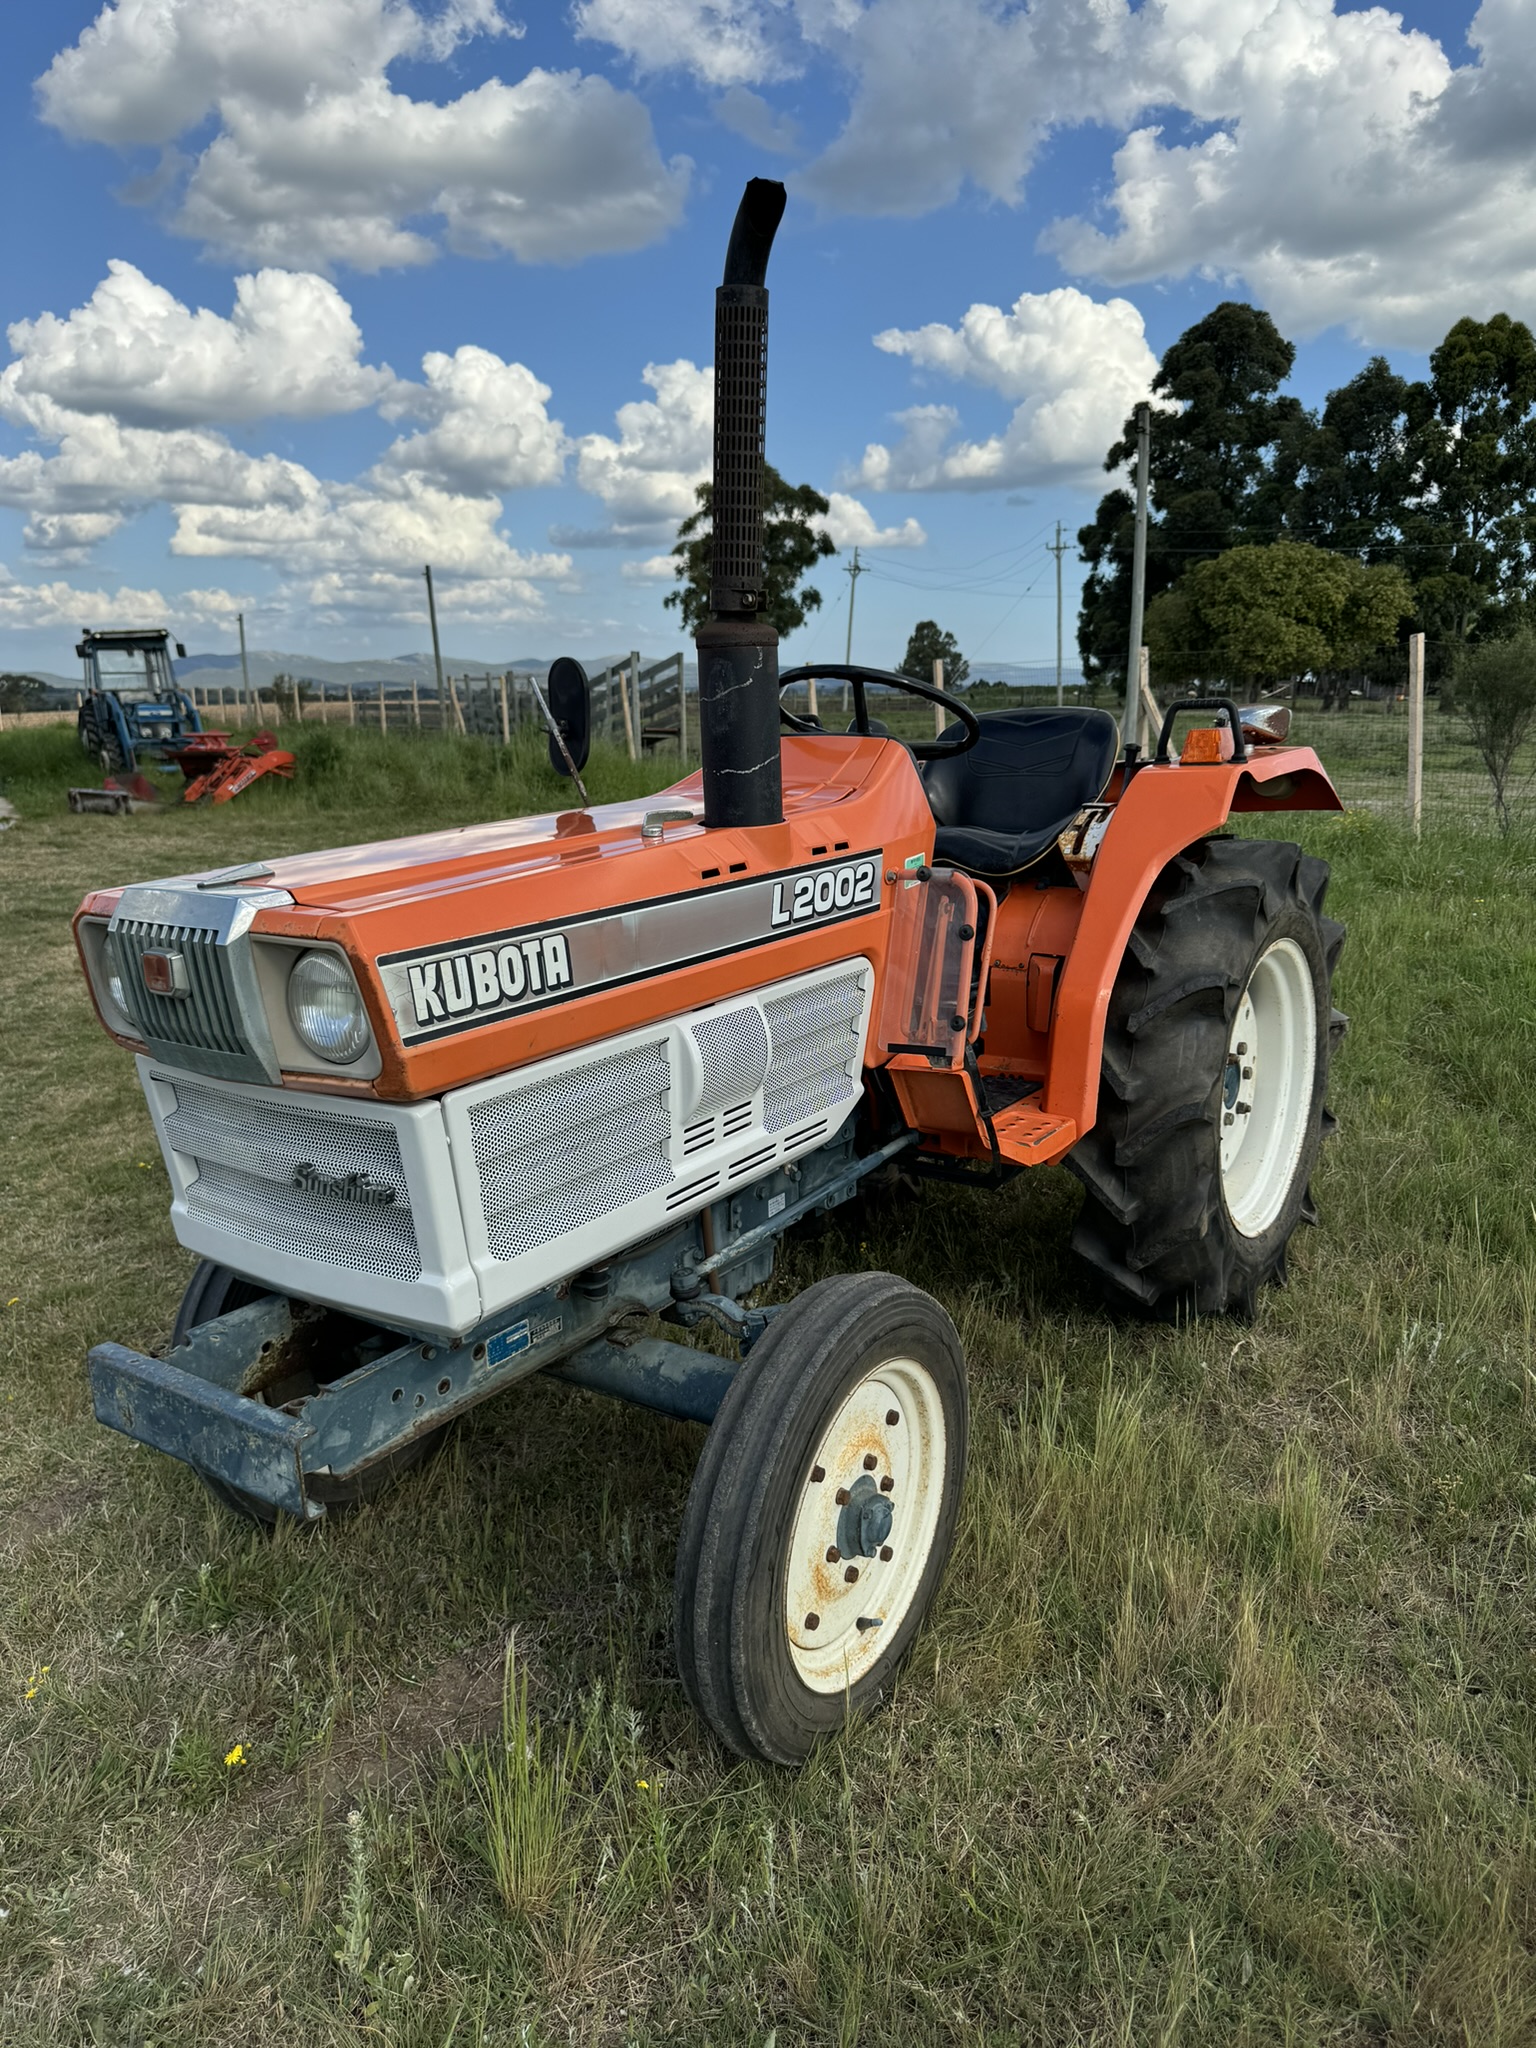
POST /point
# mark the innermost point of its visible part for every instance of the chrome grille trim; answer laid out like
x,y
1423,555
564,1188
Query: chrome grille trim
x,y
219,1026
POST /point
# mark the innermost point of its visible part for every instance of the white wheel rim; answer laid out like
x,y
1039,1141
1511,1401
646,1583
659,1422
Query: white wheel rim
x,y
822,1607
1267,1087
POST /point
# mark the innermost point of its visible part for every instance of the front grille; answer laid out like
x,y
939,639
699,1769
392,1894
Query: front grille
x,y
733,1051
205,1017
816,1050
557,1154
247,1154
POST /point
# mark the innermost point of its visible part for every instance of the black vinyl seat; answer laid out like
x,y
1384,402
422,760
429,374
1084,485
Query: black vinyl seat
x,y
1002,804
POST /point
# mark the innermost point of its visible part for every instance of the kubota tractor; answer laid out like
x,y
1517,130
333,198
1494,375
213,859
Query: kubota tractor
x,y
446,1111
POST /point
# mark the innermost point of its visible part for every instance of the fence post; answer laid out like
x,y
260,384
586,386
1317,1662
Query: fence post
x,y
506,723
682,711
1151,720
383,711
629,722
458,709
1416,732
939,720
351,707
634,670
415,705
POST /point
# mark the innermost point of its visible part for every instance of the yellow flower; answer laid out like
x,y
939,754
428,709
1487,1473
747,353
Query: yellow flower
x,y
13,1301
642,1784
236,1756
30,1693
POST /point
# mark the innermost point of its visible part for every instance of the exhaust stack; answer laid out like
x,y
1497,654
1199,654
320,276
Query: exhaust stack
x,y
738,650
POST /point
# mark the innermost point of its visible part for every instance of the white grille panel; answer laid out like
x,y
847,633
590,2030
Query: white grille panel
x,y
816,1050
733,1046
562,1152
247,1152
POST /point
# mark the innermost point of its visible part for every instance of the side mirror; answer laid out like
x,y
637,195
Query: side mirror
x,y
570,706
181,652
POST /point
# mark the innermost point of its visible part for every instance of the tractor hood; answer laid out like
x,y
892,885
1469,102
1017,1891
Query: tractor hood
x,y
622,913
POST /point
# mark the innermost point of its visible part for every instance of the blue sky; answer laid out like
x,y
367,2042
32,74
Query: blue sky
x,y
302,293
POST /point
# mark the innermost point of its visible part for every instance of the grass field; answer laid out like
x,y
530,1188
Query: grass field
x,y
1223,1729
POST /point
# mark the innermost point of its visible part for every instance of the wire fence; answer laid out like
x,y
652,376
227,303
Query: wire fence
x,y
1363,736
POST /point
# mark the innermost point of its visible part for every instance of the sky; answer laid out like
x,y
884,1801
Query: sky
x,y
302,294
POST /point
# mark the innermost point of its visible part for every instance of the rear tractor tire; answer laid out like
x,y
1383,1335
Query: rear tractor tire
x,y
213,1291
1217,1048
821,1515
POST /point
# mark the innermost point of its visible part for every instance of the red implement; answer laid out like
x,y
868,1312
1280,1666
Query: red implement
x,y
217,768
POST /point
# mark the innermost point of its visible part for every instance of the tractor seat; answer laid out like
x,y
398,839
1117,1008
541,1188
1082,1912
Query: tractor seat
x,y
1000,806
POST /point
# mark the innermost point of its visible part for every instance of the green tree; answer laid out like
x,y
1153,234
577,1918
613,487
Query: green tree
x,y
792,545
22,693
1492,692
1472,440
1226,452
1258,615
928,644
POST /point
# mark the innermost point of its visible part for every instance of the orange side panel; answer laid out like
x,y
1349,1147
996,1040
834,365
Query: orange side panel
x,y
1164,810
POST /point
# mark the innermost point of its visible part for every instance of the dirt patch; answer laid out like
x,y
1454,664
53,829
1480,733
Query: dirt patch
x,y
36,1519
457,1701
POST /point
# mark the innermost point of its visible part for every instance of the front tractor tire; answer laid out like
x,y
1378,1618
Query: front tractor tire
x,y
1212,1095
821,1515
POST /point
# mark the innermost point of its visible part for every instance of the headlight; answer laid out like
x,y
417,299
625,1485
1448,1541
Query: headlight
x,y
326,1009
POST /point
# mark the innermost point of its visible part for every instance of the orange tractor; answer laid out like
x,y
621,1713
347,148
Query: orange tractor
x,y
445,1111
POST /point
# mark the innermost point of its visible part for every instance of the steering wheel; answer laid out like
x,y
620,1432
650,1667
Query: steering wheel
x,y
842,672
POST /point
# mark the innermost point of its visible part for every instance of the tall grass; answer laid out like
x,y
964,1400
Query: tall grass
x,y
1221,1731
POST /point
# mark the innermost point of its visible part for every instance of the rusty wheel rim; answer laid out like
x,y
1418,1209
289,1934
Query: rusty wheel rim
x,y
865,1524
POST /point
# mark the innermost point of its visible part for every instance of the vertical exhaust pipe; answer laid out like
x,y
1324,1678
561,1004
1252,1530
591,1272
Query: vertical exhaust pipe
x,y
738,650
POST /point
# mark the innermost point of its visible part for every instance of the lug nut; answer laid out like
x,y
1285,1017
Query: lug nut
x,y
1229,1118
870,1461
817,1475
1247,1073
1245,1109
841,1496
813,1621
851,1575
891,1418
1242,1047
887,1483
834,1555
886,1553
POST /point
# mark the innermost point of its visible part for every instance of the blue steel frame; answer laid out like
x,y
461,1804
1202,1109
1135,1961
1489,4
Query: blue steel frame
x,y
201,1404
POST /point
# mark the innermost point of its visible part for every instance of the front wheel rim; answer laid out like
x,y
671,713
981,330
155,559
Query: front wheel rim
x,y
1267,1087
869,1504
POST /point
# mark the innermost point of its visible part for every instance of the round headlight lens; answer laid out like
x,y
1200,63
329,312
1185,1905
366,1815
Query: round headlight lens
x,y
326,1009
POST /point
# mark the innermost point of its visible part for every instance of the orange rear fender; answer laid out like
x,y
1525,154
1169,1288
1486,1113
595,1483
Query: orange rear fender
x,y
1164,810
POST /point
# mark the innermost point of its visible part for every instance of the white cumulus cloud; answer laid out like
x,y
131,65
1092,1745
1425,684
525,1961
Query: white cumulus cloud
x,y
1075,365
317,159
853,525
648,474
134,350
30,606
722,42
489,429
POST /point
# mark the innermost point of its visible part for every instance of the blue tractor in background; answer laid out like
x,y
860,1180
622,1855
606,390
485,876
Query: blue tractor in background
x,y
132,702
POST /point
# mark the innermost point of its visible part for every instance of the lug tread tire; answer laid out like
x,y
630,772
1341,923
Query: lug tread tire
x,y
731,1647
1154,1225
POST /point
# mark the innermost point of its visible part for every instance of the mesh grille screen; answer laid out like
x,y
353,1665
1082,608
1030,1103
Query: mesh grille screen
x,y
247,1153
815,1037
734,1050
741,385
560,1153
205,1015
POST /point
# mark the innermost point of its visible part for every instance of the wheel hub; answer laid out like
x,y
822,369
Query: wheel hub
x,y
865,1521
